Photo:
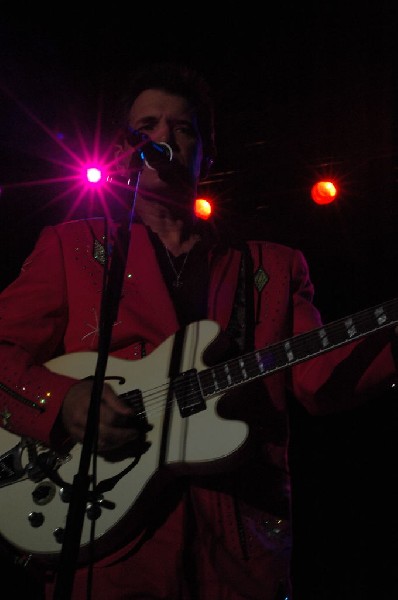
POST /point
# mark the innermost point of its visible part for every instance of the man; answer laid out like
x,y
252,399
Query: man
x,y
223,530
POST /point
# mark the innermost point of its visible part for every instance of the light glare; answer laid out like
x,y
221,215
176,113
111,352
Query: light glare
x,y
93,175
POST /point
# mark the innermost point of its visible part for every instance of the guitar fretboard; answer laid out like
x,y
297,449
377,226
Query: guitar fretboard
x,y
297,349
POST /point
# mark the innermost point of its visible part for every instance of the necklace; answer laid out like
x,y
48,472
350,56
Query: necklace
x,y
177,283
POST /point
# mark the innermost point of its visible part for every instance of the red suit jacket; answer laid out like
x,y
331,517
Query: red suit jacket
x,y
53,308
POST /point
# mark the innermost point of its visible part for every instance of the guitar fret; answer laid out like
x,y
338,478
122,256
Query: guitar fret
x,y
252,365
297,349
289,350
209,383
351,328
242,366
223,377
323,338
235,372
227,374
380,316
266,361
216,385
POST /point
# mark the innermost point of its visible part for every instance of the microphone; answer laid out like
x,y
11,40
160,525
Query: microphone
x,y
154,154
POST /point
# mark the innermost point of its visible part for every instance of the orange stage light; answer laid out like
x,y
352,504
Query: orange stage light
x,y
203,208
324,192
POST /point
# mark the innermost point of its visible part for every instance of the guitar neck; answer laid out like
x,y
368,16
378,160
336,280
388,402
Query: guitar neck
x,y
297,349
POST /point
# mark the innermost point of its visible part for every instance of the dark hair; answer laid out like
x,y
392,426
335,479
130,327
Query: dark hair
x,y
174,79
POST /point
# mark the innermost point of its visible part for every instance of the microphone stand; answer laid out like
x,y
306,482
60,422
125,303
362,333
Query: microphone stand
x,y
109,309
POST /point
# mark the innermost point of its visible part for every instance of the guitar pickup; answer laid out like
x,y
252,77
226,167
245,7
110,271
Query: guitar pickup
x,y
188,393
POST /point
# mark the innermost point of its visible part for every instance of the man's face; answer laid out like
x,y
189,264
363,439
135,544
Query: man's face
x,y
164,117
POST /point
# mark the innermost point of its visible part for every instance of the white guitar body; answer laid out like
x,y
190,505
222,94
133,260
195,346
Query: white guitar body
x,y
188,434
199,442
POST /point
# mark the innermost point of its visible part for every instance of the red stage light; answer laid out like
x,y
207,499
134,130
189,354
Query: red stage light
x,y
203,208
324,192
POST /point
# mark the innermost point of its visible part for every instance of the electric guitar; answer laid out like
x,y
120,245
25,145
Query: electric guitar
x,y
181,432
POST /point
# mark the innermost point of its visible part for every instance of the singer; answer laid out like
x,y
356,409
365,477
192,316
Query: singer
x,y
219,527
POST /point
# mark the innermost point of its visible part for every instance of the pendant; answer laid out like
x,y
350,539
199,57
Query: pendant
x,y
177,283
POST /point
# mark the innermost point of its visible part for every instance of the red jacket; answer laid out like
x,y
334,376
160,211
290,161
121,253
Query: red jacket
x,y
53,309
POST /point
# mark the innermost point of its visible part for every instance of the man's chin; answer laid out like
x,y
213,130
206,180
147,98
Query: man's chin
x,y
173,182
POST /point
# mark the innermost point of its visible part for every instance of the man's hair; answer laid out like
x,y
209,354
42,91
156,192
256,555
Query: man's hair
x,y
182,81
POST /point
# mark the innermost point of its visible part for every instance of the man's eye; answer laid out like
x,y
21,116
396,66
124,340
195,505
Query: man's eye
x,y
186,130
146,128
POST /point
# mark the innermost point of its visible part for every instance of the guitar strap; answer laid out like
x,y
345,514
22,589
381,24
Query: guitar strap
x,y
242,322
241,328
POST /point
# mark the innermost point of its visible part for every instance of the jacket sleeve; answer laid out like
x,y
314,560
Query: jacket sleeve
x,y
33,317
345,377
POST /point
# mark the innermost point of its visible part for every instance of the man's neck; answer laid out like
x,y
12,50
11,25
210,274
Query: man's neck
x,y
175,232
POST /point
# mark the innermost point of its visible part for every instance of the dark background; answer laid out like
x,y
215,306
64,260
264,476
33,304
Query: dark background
x,y
301,91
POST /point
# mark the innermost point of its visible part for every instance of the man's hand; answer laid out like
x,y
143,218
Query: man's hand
x,y
115,428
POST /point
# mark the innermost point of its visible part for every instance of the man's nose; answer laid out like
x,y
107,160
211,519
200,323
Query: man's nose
x,y
165,134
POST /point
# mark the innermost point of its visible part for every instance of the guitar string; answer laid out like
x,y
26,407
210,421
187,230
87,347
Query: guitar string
x,y
157,402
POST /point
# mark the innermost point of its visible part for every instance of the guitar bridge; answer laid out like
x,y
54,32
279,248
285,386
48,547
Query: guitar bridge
x,y
29,460
11,468
188,393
